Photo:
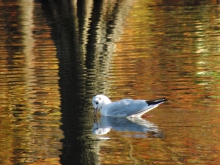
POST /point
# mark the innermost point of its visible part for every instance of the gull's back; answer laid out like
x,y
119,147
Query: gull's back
x,y
126,108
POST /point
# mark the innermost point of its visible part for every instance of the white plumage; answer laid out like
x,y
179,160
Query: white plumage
x,y
125,107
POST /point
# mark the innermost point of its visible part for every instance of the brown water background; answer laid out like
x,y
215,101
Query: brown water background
x,y
56,56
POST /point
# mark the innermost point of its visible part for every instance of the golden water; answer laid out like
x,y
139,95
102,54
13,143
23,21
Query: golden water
x,y
52,62
172,51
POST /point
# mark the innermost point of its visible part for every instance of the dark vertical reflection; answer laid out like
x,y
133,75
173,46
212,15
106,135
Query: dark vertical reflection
x,y
74,100
93,38
83,41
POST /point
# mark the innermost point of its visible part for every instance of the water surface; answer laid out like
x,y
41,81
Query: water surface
x,y
56,56
169,50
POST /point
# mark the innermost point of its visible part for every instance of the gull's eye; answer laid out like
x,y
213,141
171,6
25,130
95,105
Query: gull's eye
x,y
96,102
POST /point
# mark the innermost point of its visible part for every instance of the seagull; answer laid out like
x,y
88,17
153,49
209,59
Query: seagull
x,y
124,108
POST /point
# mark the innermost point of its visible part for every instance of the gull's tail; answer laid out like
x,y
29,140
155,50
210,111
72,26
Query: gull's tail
x,y
156,102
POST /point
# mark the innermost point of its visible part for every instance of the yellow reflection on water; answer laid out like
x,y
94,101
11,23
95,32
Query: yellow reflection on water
x,y
30,99
166,51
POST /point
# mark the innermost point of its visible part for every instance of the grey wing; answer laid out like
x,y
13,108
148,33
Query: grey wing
x,y
127,107
117,109
137,106
143,111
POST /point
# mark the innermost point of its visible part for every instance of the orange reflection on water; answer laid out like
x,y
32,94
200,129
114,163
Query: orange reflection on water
x,y
30,99
167,53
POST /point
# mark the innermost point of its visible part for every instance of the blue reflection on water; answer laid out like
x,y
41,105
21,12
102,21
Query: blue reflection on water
x,y
129,125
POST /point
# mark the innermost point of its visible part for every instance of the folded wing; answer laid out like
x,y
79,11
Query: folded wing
x,y
128,107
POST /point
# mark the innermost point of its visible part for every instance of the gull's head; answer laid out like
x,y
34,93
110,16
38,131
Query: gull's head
x,y
100,101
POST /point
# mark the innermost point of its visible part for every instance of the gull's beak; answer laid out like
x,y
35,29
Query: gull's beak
x,y
95,110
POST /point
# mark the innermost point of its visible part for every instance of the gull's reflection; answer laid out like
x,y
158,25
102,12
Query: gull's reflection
x,y
135,125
